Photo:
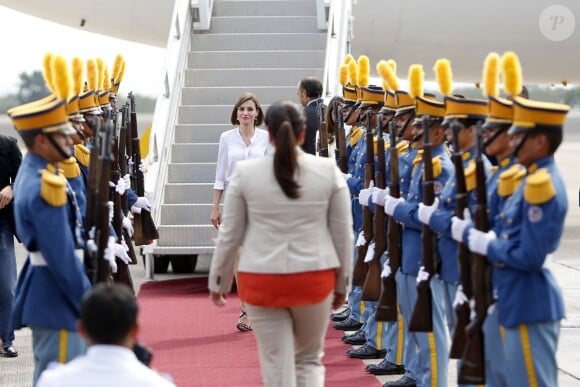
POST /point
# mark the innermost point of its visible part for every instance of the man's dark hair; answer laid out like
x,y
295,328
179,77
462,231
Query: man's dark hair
x,y
554,138
312,87
108,313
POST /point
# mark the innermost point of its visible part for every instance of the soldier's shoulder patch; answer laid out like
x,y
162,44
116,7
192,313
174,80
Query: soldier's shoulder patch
x,y
535,214
70,168
53,188
402,147
539,188
469,174
83,154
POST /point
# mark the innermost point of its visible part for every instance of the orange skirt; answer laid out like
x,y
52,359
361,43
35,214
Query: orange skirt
x,y
286,290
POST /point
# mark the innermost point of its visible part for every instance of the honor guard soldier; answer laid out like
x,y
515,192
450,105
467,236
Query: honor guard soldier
x,y
426,366
48,222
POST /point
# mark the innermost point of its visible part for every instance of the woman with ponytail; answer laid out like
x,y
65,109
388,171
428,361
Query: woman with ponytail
x,y
291,211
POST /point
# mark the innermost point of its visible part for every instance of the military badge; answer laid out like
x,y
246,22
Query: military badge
x,y
535,214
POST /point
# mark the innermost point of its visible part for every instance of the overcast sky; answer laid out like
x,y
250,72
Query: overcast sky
x,y
26,39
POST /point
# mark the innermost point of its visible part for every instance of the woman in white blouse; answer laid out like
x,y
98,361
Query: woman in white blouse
x,y
240,143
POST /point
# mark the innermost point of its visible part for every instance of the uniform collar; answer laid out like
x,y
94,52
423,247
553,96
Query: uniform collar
x,y
541,163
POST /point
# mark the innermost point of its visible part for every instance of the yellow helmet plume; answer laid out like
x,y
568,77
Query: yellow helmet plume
x,y
364,70
393,65
61,78
92,74
512,73
77,75
47,65
343,74
347,59
117,66
388,75
416,75
100,73
121,73
443,76
353,72
490,75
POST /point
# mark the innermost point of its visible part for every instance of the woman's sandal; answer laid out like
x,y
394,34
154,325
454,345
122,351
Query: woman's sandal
x,y
243,327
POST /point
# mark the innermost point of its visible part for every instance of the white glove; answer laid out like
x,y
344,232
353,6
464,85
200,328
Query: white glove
x,y
111,206
391,204
121,253
142,167
365,194
422,275
379,196
141,203
479,241
458,226
346,176
109,254
425,212
128,226
121,187
91,246
386,269
460,297
127,180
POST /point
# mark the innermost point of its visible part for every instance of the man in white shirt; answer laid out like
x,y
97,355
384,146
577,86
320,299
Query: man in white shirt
x,y
109,325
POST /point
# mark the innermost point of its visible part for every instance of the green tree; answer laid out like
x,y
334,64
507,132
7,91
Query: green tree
x,y
32,87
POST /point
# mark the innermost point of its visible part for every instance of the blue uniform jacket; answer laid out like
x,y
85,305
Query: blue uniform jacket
x,y
46,296
440,221
356,167
526,234
406,212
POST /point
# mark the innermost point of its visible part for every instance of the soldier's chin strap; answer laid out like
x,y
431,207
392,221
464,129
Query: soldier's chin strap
x,y
411,117
497,133
56,146
521,144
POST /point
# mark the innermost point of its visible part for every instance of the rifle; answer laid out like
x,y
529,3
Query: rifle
x,y
92,197
360,268
372,286
122,160
472,369
322,130
422,317
340,138
387,308
103,273
463,310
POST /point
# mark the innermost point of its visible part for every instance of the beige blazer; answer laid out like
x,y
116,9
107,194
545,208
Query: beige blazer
x,y
282,235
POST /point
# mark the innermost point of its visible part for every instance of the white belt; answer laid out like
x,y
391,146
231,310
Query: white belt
x,y
36,258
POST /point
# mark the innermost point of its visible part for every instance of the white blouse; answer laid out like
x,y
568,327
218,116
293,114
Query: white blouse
x,y
232,149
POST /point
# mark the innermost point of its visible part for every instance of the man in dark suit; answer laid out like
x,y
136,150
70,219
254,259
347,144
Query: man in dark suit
x,y
309,93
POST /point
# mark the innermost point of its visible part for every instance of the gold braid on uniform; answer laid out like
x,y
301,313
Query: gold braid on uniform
x,y
505,186
70,168
470,178
539,188
82,154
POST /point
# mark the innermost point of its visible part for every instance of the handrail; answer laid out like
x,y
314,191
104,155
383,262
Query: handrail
x,y
338,41
202,14
167,103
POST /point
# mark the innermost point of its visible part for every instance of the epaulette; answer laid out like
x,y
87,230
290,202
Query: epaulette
x,y
469,174
539,188
465,155
505,185
355,135
402,147
419,157
53,188
70,168
82,154
519,176
437,166
493,169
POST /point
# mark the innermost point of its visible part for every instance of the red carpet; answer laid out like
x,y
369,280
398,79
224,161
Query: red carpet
x,y
198,344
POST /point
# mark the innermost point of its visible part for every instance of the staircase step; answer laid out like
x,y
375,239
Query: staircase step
x,y
191,173
264,8
263,24
194,153
258,42
182,250
255,59
249,77
189,235
183,193
185,133
184,214
211,114
229,95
